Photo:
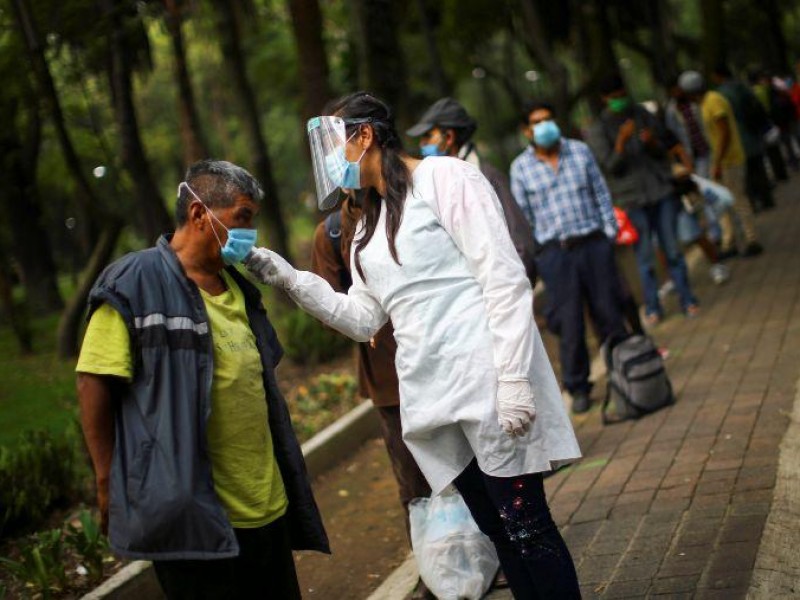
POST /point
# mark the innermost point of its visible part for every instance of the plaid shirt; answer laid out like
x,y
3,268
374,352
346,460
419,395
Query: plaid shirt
x,y
571,202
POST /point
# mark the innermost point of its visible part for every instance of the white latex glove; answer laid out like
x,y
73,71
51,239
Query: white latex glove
x,y
271,268
515,406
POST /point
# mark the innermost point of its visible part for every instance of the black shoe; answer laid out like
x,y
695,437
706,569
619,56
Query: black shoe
x,y
732,253
752,249
580,402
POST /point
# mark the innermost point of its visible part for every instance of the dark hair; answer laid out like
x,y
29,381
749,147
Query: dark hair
x,y
610,84
362,105
532,106
217,183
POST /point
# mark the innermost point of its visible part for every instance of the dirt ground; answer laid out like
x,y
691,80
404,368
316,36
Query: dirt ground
x,y
365,524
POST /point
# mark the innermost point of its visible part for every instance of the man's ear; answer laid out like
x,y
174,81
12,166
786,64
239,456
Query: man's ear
x,y
527,131
196,213
449,139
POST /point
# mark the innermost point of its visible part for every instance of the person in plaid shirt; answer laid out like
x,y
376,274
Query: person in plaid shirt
x,y
558,185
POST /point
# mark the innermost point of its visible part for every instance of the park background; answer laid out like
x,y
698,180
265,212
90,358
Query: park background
x,y
104,103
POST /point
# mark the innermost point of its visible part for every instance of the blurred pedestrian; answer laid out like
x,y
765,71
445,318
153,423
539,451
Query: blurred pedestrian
x,y
728,160
558,184
198,468
446,129
479,403
683,119
752,123
633,148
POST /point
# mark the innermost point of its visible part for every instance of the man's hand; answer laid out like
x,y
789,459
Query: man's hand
x,y
515,406
625,133
271,268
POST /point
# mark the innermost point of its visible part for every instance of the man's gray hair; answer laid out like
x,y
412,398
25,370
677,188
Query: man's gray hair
x,y
217,183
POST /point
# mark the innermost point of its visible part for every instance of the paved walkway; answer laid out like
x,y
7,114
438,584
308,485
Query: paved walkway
x,y
675,505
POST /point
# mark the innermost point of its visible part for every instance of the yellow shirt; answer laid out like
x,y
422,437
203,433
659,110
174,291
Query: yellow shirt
x,y
246,475
715,106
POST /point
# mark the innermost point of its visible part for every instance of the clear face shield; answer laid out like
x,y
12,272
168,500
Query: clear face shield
x,y
333,173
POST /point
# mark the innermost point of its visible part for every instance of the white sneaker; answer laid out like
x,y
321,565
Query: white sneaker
x,y
719,273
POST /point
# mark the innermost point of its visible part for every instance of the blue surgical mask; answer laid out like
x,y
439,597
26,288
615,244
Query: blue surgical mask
x,y
341,171
546,134
240,240
431,150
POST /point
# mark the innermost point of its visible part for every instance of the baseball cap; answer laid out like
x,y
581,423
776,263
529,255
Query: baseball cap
x,y
445,112
691,82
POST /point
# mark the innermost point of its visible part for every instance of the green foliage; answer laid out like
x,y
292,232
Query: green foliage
x,y
42,471
319,404
90,544
307,342
41,563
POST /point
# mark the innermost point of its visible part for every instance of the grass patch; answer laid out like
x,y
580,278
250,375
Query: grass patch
x,y
36,392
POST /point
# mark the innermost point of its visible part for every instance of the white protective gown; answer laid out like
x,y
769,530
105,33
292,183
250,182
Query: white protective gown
x,y
461,307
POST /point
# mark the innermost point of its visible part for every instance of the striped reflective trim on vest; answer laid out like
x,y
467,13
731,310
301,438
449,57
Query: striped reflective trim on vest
x,y
157,329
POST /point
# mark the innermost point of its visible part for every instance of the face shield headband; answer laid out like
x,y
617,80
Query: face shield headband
x,y
327,138
240,240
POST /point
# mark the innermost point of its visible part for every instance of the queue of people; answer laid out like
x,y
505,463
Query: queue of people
x,y
429,263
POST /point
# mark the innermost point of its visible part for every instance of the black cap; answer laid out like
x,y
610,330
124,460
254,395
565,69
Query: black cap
x,y
446,113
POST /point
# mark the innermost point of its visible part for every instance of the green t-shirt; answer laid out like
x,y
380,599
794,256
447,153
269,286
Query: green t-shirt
x,y
246,475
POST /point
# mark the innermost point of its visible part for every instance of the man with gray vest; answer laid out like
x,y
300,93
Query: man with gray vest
x,y
197,465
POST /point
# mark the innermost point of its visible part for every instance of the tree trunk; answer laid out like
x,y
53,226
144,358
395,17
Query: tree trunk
x,y
230,34
20,204
382,68
86,199
438,75
194,142
69,324
153,217
712,16
663,48
16,317
536,41
778,59
307,27
596,51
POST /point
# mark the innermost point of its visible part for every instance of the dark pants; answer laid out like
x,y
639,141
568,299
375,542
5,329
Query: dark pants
x,y
513,513
583,274
264,569
410,480
759,188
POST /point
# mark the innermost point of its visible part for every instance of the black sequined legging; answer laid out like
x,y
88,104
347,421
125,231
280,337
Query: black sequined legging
x,y
513,512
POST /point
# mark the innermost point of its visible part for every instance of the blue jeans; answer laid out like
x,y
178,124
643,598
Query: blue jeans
x,y
513,513
660,220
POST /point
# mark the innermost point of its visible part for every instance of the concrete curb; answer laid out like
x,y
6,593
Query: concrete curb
x,y
137,581
777,570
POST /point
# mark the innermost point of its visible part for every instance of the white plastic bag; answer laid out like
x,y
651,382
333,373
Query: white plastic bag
x,y
454,558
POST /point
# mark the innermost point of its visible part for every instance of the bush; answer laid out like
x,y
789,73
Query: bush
x,y
41,472
319,404
307,342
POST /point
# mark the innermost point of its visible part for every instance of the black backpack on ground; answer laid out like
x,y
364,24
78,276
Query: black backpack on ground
x,y
637,381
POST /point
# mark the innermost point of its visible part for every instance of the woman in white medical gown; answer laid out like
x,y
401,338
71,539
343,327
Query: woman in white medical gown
x,y
480,406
